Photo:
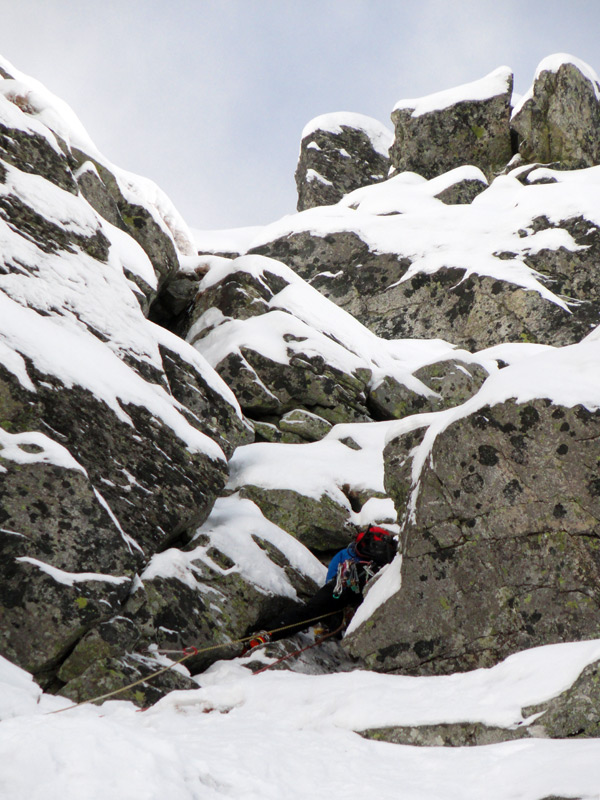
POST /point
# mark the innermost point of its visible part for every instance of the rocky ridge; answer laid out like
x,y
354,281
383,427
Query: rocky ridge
x,y
185,437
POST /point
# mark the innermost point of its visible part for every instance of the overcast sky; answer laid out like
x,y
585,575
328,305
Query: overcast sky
x,y
209,97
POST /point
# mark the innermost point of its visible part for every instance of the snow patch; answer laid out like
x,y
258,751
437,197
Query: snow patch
x,y
33,447
492,85
380,136
71,578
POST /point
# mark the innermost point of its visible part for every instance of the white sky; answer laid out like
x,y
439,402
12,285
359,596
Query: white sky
x,y
209,97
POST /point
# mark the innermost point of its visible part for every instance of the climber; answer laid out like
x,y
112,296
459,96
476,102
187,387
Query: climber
x,y
348,572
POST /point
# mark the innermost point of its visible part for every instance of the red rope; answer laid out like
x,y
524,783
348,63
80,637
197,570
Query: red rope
x,y
317,642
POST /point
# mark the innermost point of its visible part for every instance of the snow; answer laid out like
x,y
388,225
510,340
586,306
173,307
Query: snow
x,y
553,63
323,329
63,348
380,136
33,447
283,734
71,578
385,584
36,109
227,240
470,238
407,192
90,320
567,376
187,353
313,175
496,83
233,527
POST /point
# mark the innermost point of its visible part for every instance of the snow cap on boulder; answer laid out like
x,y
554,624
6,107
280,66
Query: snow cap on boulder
x,y
340,152
469,124
558,119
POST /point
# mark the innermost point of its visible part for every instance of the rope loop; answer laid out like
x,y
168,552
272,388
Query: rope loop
x,y
188,652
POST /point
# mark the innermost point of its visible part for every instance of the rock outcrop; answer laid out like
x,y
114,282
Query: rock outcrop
x,y
466,125
339,153
558,120
114,433
184,437
406,276
501,546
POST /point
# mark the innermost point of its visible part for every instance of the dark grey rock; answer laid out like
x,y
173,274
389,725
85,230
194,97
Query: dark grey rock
x,y
473,132
264,386
462,192
203,406
453,380
333,163
102,192
473,312
560,121
574,713
322,525
32,153
502,553
450,382
308,426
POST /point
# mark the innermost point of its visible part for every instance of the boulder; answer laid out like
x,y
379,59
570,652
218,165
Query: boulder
x,y
365,265
454,381
501,551
451,382
463,190
58,580
339,153
466,125
322,524
558,120
33,151
308,426
102,190
272,360
321,492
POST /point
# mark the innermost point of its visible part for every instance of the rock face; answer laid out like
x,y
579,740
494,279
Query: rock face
x,y
270,381
340,153
502,552
559,120
473,312
467,125
114,433
181,436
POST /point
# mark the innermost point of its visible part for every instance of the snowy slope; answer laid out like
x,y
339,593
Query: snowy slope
x,y
286,735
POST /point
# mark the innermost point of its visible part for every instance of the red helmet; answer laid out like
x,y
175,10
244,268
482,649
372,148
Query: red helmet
x,y
375,544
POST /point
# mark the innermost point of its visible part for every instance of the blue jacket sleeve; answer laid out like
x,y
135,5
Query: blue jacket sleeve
x,y
343,555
